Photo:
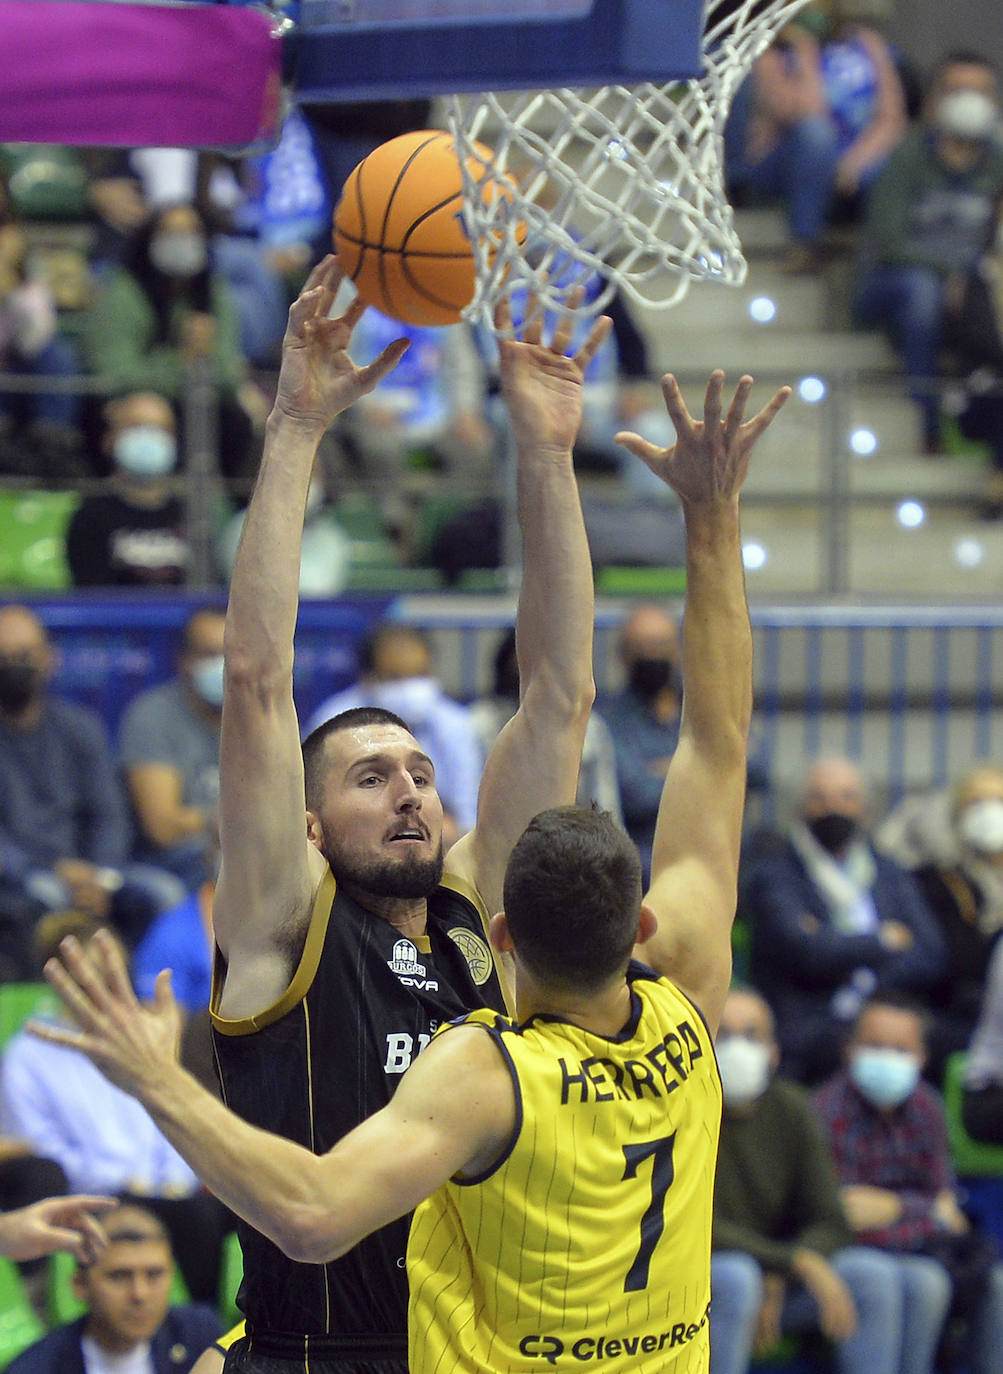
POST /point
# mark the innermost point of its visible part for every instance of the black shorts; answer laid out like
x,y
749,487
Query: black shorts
x,y
360,1356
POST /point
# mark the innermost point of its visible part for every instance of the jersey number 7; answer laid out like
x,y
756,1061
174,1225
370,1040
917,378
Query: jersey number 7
x,y
653,1220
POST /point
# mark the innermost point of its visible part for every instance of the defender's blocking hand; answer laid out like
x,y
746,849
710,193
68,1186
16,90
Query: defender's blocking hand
x,y
710,458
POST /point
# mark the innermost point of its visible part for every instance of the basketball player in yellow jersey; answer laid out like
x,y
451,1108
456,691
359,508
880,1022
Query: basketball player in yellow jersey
x,y
567,1155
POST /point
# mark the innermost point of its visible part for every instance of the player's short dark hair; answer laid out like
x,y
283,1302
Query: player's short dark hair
x,y
572,897
313,745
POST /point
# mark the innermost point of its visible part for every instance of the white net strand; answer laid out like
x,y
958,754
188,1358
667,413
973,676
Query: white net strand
x,y
616,188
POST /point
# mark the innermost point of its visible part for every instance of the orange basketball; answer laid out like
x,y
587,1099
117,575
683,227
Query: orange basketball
x,y
399,231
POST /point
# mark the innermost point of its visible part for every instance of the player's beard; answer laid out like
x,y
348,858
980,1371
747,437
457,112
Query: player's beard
x,y
409,876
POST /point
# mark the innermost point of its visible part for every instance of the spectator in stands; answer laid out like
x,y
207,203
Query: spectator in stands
x,y
129,1323
164,311
832,920
397,672
959,870
643,718
975,336
429,413
39,434
52,1098
326,551
133,535
982,1094
888,1138
169,749
181,939
927,219
127,186
815,121
65,835
783,1259
597,783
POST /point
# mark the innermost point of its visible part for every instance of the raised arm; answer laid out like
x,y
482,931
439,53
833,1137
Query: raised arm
x,y
269,872
534,762
694,865
455,1109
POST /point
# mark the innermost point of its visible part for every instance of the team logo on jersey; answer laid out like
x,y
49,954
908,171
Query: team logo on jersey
x,y
407,968
475,951
405,961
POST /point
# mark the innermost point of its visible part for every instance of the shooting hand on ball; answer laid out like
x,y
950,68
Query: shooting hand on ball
x,y
318,379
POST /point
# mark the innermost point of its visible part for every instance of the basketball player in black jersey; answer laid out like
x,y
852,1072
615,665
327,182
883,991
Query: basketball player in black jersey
x,y
343,940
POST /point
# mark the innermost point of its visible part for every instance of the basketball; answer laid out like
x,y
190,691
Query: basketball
x,y
399,231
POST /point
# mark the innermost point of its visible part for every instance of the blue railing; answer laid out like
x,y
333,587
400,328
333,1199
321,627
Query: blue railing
x,y
914,693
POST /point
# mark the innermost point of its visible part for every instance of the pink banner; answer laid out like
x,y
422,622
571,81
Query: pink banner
x,y
128,75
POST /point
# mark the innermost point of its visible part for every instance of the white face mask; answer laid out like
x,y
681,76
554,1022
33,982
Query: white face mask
x,y
980,825
145,451
411,698
178,254
745,1069
967,114
885,1077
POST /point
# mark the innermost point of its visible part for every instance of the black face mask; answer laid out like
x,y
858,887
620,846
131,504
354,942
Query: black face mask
x,y
833,831
19,683
649,676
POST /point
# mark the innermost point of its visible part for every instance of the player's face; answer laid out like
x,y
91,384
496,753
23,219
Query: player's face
x,y
381,818
127,1291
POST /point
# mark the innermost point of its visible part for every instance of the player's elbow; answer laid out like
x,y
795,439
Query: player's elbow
x,y
560,699
309,1234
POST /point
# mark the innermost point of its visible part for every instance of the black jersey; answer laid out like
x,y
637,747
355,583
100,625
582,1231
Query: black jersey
x,y
362,1003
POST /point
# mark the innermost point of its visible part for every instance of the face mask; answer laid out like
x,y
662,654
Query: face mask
x,y
833,831
19,684
207,676
885,1077
981,826
745,1069
411,698
966,114
145,451
179,255
649,676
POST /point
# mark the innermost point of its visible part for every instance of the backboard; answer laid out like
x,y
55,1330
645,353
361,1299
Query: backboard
x,y
346,50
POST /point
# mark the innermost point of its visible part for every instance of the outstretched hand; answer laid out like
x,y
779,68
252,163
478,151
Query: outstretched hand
x,y
542,385
56,1223
134,1045
318,379
710,458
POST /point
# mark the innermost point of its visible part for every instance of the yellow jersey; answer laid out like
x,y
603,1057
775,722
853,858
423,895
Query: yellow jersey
x,y
587,1245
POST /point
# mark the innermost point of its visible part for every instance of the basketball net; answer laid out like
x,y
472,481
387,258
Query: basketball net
x,y
611,189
